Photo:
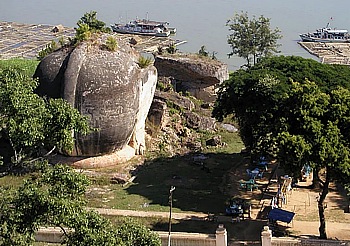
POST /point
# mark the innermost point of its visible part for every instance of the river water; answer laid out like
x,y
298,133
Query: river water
x,y
199,22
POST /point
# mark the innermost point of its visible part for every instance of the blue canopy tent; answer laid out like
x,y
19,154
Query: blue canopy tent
x,y
281,215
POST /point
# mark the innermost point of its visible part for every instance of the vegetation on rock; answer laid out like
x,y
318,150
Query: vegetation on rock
x,y
144,62
111,43
51,47
88,25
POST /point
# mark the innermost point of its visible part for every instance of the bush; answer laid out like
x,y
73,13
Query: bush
x,y
133,233
111,43
51,47
171,49
144,62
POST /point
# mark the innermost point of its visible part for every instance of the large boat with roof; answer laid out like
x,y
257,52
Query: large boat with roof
x,y
145,27
326,35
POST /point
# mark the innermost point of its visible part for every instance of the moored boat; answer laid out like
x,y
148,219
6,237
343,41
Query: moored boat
x,y
145,27
326,35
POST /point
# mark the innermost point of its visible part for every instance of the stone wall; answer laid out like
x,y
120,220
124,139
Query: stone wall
x,y
54,235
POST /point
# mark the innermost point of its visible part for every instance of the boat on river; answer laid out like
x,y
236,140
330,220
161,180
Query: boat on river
x,y
327,35
145,27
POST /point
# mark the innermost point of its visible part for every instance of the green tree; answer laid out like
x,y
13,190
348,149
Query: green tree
x,y
298,122
83,33
95,25
55,197
30,124
89,25
133,233
253,38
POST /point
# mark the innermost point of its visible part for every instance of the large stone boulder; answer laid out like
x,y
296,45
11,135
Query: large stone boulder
x,y
200,76
108,87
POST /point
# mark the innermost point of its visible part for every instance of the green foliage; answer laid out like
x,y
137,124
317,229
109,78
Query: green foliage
x,y
61,41
26,66
171,49
111,43
29,123
252,39
173,108
55,197
83,33
133,233
203,51
89,25
297,120
51,197
144,62
51,47
95,25
161,86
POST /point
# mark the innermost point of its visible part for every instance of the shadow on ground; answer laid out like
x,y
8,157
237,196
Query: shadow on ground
x,y
201,181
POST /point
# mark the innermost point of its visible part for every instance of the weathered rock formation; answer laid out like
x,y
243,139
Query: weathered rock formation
x,y
108,87
200,76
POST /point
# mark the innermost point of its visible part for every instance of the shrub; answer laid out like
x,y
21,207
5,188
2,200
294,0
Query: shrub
x,y
82,33
144,62
111,43
203,51
171,49
51,47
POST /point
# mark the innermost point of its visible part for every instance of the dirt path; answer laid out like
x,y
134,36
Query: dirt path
x,y
177,216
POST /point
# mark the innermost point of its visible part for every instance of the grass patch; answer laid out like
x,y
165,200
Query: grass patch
x,y
197,190
27,65
12,181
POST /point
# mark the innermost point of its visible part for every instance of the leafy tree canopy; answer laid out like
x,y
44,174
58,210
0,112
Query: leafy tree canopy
x,y
90,21
55,197
253,38
30,124
297,110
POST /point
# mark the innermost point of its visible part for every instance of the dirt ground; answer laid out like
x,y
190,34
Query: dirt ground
x,y
301,200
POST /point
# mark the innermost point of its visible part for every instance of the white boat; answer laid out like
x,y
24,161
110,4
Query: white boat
x,y
326,35
145,27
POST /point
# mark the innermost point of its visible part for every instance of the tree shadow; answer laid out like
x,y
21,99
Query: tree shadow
x,y
200,181
203,183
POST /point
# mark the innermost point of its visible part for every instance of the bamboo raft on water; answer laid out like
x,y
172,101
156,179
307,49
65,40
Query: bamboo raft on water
x,y
329,53
27,40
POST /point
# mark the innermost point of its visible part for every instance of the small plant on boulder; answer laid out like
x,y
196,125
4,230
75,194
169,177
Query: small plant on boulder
x,y
144,62
111,43
51,47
